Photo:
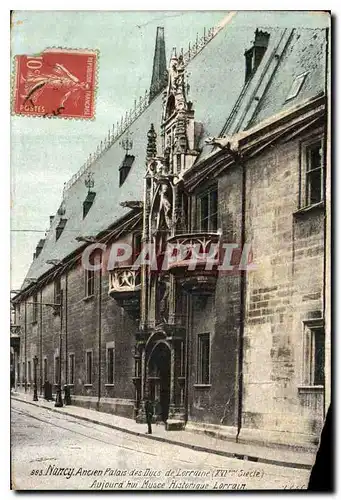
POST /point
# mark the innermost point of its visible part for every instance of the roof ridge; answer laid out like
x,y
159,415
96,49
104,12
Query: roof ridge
x,y
141,104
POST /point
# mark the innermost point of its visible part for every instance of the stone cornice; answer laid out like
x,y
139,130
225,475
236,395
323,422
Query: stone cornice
x,y
253,141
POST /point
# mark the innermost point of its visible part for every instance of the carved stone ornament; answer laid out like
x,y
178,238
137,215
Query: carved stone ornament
x,y
165,206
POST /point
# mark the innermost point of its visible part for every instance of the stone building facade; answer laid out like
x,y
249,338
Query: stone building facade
x,y
224,178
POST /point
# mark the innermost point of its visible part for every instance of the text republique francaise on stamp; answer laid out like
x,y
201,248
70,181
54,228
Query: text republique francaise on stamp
x,y
56,82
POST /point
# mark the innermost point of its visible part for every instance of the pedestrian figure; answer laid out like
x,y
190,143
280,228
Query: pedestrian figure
x,y
149,414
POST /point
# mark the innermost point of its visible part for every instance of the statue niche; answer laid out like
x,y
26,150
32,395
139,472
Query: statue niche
x,y
162,299
163,208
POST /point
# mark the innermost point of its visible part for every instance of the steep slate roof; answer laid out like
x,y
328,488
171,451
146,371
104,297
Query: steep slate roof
x,y
216,77
305,53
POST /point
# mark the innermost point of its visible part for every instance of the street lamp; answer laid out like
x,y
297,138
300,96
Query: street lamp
x,y
59,399
35,363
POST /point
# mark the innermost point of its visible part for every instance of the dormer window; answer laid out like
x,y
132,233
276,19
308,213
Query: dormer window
x,y
125,168
60,228
87,204
39,247
296,86
61,209
254,56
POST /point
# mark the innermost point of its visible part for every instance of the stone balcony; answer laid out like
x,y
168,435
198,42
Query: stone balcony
x,y
125,288
195,261
15,336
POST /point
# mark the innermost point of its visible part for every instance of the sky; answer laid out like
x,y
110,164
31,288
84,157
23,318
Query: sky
x,y
45,153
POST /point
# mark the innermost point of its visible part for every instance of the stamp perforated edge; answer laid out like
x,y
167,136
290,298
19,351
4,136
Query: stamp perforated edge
x,y
56,49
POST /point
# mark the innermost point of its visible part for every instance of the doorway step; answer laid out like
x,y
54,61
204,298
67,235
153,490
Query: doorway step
x,y
175,425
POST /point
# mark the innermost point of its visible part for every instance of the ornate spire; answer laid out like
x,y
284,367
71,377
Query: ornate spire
x,y
127,143
159,65
89,181
151,144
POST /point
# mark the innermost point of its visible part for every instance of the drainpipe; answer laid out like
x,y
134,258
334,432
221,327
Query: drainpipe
x,y
25,347
242,308
187,343
188,327
65,327
41,343
327,241
99,334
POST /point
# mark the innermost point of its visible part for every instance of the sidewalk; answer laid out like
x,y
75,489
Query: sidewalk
x,y
198,442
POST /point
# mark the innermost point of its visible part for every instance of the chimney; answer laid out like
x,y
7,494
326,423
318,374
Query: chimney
x,y
254,56
159,76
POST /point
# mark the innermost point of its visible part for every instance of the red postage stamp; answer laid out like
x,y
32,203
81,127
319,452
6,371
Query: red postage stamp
x,y
56,82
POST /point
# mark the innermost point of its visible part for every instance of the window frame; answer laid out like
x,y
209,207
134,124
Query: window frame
x,y
200,381
304,203
110,346
299,81
199,219
309,357
88,374
89,280
35,308
57,295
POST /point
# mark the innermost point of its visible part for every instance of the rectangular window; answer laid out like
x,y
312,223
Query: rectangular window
x,y
318,357
110,364
203,359
56,369
208,211
23,373
57,294
71,371
35,308
89,367
90,279
312,189
314,356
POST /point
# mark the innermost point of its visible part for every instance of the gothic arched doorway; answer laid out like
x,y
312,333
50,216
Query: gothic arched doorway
x,y
159,379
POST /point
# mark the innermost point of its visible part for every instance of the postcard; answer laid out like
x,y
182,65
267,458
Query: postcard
x,y
171,250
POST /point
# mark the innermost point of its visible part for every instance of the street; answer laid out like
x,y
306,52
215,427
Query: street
x,y
54,451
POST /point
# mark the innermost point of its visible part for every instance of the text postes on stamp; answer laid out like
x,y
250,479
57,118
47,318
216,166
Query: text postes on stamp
x,y
56,82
